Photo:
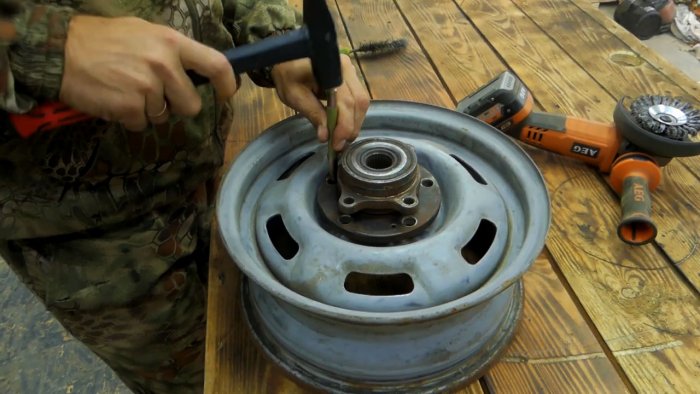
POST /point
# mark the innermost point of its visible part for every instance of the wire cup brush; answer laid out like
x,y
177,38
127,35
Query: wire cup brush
x,y
377,48
660,125
666,116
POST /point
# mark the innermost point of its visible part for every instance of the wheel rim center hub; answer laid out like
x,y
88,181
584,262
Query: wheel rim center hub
x,y
382,195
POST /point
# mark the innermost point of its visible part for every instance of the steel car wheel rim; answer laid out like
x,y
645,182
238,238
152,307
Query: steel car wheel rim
x,y
278,233
459,374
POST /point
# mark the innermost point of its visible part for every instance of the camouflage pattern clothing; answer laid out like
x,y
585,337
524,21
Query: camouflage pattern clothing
x,y
110,228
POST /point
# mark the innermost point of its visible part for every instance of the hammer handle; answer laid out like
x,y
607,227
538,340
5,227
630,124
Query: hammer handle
x,y
264,53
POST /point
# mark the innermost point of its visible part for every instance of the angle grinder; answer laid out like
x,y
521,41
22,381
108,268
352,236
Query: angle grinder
x,y
646,134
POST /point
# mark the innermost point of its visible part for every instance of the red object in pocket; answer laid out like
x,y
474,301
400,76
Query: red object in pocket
x,y
46,117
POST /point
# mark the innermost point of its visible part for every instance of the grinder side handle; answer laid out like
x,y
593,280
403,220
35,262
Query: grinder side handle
x,y
634,176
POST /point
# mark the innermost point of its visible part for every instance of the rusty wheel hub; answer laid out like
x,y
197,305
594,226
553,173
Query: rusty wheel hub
x,y
382,195
405,275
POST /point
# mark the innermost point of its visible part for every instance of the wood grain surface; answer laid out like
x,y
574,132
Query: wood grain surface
x,y
659,62
599,316
567,347
555,349
233,363
608,60
448,45
406,76
643,309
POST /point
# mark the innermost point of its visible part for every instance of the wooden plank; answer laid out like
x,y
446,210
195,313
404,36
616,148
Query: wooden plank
x,y
567,337
233,363
605,56
659,62
602,55
646,314
464,59
555,349
531,54
407,74
568,355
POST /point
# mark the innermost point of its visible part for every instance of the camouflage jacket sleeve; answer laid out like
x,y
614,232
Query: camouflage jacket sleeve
x,y
249,21
32,40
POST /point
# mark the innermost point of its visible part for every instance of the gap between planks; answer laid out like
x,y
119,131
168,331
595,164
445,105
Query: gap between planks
x,y
588,356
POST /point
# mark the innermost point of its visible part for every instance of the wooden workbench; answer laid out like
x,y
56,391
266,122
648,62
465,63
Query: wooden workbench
x,y
599,316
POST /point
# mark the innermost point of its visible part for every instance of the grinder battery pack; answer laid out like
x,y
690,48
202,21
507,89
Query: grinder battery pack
x,y
645,135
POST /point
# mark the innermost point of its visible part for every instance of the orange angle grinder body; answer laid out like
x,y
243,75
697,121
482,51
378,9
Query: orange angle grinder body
x,y
634,173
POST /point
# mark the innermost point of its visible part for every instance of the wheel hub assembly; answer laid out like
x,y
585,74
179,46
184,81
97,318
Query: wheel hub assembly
x,y
383,195
404,275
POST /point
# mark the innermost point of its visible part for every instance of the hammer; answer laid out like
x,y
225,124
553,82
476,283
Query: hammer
x,y
316,40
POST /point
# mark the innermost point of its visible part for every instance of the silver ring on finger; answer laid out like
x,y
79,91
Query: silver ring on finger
x,y
161,113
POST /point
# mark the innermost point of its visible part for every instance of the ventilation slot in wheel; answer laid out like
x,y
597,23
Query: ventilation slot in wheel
x,y
286,246
480,243
294,166
378,285
477,177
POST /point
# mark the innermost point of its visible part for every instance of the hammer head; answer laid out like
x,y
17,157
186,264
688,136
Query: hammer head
x,y
325,54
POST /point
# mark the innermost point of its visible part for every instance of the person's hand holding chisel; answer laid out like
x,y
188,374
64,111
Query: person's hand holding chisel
x,y
296,88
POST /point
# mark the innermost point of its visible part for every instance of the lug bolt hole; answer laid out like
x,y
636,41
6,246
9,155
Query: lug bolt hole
x,y
409,200
427,182
409,221
348,201
345,219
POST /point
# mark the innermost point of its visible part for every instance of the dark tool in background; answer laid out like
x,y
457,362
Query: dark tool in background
x,y
377,48
315,40
645,18
643,137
